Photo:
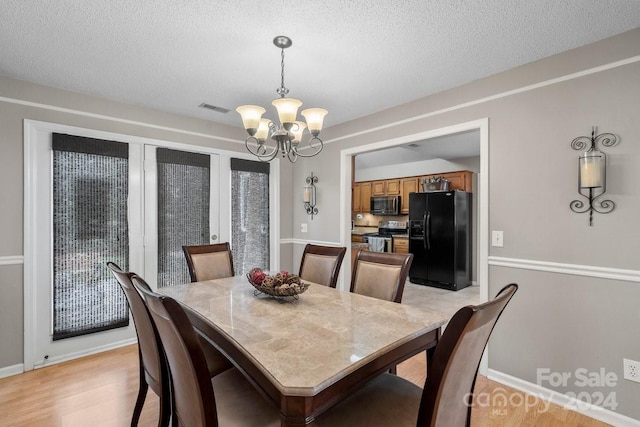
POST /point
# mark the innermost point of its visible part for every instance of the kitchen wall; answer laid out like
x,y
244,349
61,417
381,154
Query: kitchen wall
x,y
577,306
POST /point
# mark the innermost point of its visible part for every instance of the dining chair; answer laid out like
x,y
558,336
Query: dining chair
x,y
153,367
207,262
226,399
321,264
380,274
446,399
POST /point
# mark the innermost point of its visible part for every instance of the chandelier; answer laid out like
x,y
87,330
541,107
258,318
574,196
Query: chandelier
x,y
288,136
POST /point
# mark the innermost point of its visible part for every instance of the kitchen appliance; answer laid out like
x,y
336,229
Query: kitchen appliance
x,y
385,205
382,241
440,239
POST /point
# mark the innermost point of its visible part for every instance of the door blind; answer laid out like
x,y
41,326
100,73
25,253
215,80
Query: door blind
x,y
90,187
249,215
183,210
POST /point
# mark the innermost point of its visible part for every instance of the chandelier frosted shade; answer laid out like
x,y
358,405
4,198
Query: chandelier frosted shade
x,y
251,115
314,118
288,135
287,109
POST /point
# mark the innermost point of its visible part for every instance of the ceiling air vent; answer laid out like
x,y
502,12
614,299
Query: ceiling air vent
x,y
214,108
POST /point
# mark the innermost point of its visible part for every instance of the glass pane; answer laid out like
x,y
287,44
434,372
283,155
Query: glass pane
x,y
183,210
250,220
89,229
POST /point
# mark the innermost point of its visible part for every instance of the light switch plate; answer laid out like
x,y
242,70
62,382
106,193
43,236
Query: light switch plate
x,y
303,227
497,238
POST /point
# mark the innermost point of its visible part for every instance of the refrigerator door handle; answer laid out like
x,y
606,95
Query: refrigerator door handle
x,y
427,231
424,230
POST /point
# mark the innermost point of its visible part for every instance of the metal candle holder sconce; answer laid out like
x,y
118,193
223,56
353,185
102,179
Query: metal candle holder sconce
x,y
592,173
310,195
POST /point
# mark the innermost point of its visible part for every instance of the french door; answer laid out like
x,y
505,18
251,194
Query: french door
x,y
86,206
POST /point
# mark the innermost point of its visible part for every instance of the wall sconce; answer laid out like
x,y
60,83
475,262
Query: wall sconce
x,y
310,196
592,173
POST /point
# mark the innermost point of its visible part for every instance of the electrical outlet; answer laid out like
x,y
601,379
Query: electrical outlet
x,y
303,227
631,370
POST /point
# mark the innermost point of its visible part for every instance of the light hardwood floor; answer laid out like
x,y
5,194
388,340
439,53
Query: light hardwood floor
x,y
100,390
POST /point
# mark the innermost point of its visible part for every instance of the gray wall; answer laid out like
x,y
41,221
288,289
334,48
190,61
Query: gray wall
x,y
558,321
21,100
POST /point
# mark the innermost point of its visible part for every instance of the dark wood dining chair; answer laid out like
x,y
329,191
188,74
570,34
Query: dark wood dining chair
x,y
207,262
321,264
153,367
380,274
447,395
226,399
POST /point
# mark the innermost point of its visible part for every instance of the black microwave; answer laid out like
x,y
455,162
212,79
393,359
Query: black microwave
x,y
385,205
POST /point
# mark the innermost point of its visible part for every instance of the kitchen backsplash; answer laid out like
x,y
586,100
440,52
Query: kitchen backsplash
x,y
369,220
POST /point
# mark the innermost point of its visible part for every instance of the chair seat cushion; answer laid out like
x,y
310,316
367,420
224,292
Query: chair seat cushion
x,y
239,404
385,401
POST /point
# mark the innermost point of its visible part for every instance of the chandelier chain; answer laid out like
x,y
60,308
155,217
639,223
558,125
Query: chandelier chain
x,y
282,91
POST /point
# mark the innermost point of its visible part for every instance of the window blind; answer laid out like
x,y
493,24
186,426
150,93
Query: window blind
x,y
183,210
249,215
90,188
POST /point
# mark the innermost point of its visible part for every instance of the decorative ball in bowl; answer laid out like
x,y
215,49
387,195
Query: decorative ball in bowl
x,y
282,284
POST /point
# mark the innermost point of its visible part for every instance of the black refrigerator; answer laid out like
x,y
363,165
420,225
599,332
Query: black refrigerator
x,y
440,239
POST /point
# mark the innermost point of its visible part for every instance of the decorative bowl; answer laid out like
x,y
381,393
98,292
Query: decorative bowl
x,y
279,285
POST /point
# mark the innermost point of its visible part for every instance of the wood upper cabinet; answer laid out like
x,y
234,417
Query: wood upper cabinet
x,y
361,197
407,185
392,187
378,188
388,187
365,197
459,180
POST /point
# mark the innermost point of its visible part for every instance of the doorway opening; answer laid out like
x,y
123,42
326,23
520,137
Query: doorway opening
x,y
346,171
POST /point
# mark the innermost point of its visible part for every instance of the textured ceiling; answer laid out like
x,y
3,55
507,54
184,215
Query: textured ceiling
x,y
353,57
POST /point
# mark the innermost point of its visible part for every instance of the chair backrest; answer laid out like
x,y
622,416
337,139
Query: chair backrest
x,y
454,366
321,264
207,262
194,401
149,344
380,274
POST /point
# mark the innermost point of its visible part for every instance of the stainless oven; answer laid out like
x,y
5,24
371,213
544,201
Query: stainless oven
x,y
385,205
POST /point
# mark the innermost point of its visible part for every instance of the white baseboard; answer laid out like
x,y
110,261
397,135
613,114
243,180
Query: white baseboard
x,y
95,350
9,371
605,415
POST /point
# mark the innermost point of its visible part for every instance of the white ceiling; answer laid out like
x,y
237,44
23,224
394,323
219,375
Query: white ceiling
x,y
447,147
353,57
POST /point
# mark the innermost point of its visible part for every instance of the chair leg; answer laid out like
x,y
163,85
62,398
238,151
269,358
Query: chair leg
x,y
142,393
165,408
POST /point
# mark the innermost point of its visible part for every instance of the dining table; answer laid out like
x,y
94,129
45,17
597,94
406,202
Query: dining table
x,y
306,354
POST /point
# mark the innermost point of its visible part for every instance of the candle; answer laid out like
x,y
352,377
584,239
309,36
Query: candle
x,y
307,195
590,172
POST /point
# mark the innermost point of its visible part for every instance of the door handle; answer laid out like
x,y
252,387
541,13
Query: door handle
x,y
427,231
214,237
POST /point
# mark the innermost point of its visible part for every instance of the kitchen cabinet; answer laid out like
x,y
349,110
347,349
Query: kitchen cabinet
x,y
361,197
387,187
392,187
461,180
400,245
357,238
378,188
407,185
